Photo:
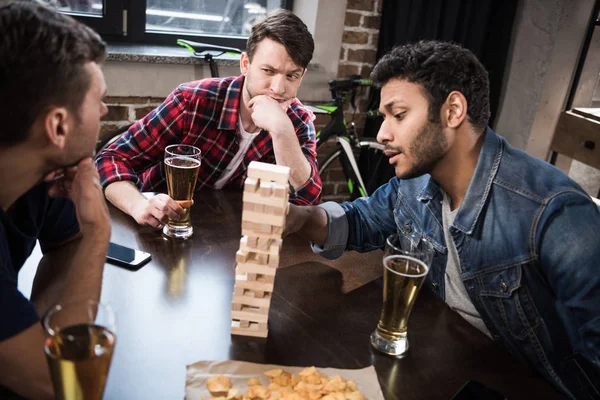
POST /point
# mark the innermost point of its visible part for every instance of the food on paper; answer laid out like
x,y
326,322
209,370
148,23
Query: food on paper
x,y
310,384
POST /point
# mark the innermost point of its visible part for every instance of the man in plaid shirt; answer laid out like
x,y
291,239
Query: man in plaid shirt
x,y
233,121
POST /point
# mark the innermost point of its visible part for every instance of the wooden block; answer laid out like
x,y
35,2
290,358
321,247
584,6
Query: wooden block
x,y
241,256
235,306
264,243
259,294
255,268
249,316
271,172
262,327
259,218
261,234
250,185
251,301
254,251
266,278
258,208
265,188
250,332
256,286
244,324
252,241
247,206
277,230
248,225
280,191
251,277
256,198
238,291
263,259
262,228
273,258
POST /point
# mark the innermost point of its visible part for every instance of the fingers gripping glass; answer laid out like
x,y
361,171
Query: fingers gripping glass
x,y
182,164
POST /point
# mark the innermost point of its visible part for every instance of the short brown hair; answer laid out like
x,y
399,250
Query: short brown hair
x,y
43,55
284,27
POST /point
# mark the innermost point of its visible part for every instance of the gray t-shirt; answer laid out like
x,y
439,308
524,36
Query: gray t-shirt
x,y
456,294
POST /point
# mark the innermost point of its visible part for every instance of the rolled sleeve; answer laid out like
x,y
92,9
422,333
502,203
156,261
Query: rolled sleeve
x,y
337,236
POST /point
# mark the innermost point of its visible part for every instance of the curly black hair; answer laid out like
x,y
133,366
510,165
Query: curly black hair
x,y
440,67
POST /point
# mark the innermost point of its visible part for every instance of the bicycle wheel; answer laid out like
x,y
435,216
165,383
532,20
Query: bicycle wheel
x,y
350,178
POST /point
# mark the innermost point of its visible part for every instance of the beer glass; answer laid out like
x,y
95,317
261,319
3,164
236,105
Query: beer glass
x,y
182,164
79,344
406,263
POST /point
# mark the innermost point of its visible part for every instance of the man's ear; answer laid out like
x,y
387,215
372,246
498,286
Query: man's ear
x,y
455,110
57,126
244,63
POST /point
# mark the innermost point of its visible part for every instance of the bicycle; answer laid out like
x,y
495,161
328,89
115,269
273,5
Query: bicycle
x,y
347,139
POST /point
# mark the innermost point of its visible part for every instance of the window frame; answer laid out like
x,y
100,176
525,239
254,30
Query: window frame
x,y
112,28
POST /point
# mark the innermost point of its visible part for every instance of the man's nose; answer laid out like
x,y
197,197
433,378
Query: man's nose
x,y
278,85
384,136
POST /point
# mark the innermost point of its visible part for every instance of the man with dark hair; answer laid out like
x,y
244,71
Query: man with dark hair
x,y
51,90
234,120
516,240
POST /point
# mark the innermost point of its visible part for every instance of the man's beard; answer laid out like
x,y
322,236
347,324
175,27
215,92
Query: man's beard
x,y
426,150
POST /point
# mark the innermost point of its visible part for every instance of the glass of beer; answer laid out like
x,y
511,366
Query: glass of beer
x,y
182,164
406,263
80,339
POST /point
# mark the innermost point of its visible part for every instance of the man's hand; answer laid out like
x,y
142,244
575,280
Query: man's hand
x,y
157,211
81,184
309,222
270,115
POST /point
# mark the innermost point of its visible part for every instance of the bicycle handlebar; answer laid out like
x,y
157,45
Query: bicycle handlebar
x,y
201,49
350,83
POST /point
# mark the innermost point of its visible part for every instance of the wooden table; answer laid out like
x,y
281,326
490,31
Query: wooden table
x,y
176,311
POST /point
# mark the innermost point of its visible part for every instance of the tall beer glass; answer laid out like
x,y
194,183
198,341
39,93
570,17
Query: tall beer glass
x,y
182,164
405,266
80,339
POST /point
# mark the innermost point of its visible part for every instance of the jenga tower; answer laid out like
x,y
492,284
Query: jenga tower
x,y
263,218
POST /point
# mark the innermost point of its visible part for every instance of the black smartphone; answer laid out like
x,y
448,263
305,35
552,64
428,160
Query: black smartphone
x,y
473,390
125,257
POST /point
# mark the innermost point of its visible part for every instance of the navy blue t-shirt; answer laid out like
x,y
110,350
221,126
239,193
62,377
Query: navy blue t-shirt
x,y
34,216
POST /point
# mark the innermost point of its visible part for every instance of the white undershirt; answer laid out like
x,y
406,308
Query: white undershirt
x,y
245,143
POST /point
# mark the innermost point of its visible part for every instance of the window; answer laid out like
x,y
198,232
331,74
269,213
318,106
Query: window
x,y
221,22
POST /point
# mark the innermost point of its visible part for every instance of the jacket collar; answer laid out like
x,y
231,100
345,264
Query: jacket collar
x,y
231,105
479,189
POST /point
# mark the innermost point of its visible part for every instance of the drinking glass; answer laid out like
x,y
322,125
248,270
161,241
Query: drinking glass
x,y
182,164
79,344
406,262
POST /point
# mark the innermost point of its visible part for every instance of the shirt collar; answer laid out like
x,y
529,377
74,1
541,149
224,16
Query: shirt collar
x,y
233,97
479,188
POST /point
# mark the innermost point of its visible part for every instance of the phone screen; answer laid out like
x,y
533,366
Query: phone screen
x,y
474,390
127,257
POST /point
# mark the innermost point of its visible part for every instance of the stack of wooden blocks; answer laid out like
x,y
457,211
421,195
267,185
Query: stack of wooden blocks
x,y
263,218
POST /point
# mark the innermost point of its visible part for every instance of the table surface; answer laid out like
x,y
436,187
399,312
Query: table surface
x,y
175,311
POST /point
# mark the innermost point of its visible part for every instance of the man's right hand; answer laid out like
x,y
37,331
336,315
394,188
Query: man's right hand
x,y
81,184
156,211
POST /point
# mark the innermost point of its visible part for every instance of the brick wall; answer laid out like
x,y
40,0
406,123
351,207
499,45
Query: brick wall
x,y
124,111
357,56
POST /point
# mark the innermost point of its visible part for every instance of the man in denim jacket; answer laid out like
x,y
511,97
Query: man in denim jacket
x,y
517,242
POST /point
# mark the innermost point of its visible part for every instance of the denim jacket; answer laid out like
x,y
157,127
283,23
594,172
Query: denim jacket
x,y
528,240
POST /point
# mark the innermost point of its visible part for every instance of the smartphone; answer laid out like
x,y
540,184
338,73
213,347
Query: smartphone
x,y
473,390
125,257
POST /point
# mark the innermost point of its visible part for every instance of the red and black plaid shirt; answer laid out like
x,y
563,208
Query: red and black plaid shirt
x,y
203,114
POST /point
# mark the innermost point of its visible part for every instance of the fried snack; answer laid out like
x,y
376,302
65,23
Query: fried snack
x,y
310,384
218,386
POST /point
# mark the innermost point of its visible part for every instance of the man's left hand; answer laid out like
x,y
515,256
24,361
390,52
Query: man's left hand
x,y
270,115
